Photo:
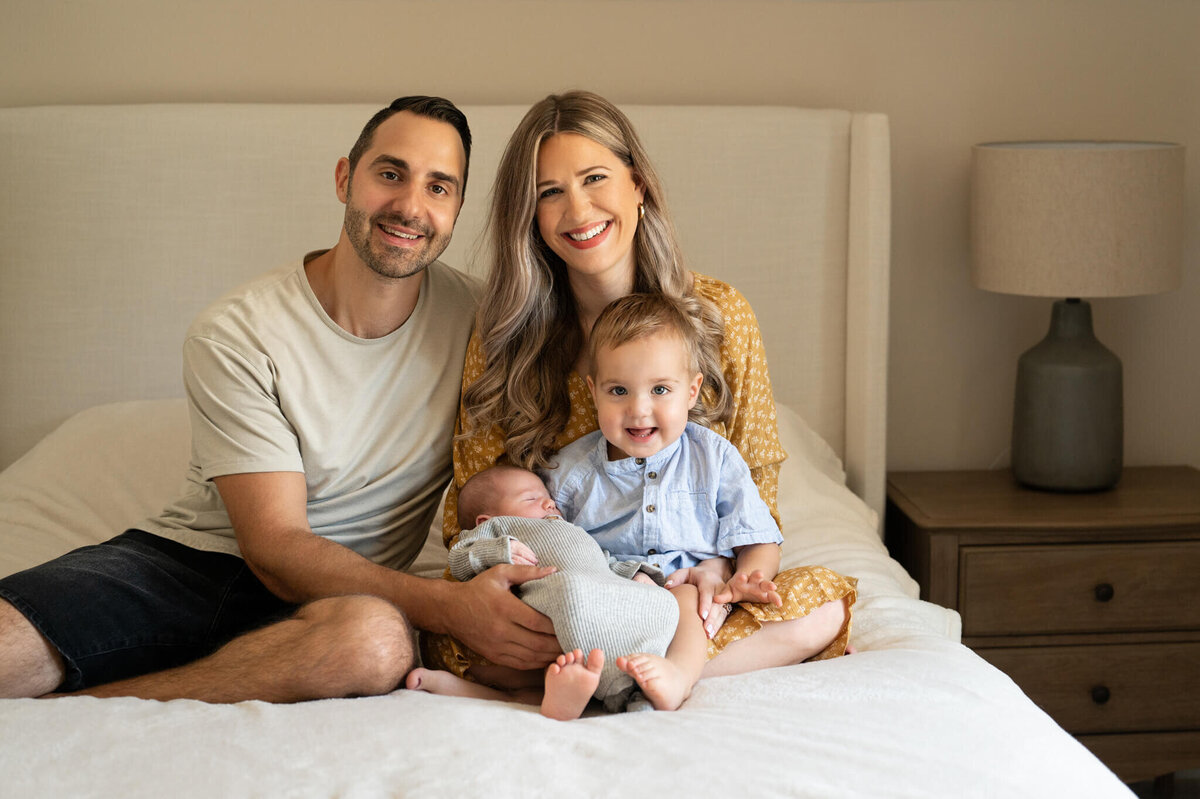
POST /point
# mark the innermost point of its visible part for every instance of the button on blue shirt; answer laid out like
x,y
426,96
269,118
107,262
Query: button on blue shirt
x,y
689,502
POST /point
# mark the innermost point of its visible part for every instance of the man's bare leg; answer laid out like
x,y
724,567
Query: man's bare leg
x,y
29,665
668,681
334,647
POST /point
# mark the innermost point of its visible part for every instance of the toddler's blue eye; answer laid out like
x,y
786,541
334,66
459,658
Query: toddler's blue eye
x,y
659,390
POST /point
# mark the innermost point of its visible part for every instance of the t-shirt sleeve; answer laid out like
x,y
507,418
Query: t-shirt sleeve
x,y
237,424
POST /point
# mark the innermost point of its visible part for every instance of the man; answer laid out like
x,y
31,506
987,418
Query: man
x,y
322,399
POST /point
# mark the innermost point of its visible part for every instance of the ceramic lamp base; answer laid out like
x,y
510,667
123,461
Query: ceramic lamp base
x,y
1068,429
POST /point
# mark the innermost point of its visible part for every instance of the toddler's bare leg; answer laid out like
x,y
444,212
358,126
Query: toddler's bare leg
x,y
570,683
668,681
781,643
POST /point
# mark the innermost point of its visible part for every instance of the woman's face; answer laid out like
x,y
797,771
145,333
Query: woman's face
x,y
587,206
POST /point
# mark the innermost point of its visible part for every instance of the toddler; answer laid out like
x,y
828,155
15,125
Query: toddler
x,y
652,486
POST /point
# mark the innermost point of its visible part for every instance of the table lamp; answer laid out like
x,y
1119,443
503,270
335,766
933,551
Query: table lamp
x,y
1074,219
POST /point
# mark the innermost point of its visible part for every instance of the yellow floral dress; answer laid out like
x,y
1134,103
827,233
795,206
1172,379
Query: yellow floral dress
x,y
752,429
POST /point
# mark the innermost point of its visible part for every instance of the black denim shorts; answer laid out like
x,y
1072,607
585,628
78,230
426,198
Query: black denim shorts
x,y
139,603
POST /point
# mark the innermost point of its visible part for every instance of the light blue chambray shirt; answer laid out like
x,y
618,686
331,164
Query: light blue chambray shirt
x,y
689,502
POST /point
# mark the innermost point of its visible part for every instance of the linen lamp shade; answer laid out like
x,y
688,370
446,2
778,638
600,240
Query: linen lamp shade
x,y
1073,220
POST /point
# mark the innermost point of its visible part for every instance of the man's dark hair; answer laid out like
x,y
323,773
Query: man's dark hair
x,y
437,108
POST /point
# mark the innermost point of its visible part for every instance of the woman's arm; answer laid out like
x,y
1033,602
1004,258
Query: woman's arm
x,y
470,455
752,427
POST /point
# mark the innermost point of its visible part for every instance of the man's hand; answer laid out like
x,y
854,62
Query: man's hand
x,y
486,616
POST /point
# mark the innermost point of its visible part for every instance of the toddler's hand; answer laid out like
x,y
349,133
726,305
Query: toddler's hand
x,y
522,555
752,587
642,577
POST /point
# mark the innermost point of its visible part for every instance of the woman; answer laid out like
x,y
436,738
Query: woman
x,y
579,219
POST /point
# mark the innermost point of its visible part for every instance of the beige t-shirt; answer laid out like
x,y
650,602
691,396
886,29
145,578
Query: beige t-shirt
x,y
274,384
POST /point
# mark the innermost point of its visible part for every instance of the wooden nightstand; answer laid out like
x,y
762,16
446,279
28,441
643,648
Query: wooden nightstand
x,y
1090,602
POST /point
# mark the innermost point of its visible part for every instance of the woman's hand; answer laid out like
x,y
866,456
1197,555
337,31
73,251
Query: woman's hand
x,y
709,577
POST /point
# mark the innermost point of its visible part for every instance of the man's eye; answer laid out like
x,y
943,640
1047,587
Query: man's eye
x,y
438,190
389,175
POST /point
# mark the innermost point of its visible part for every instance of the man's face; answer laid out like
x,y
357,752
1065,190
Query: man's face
x,y
404,195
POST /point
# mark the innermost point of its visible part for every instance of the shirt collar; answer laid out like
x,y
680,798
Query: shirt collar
x,y
629,465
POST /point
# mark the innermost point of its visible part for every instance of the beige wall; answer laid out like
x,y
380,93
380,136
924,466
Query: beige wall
x,y
948,73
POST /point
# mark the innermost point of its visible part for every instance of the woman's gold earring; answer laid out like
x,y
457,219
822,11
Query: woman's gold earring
x,y
641,211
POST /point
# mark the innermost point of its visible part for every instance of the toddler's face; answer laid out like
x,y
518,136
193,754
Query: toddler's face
x,y
524,494
643,391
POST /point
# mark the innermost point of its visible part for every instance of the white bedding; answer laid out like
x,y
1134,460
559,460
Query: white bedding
x,y
914,713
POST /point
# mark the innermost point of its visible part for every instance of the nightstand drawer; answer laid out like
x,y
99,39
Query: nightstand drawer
x,y
1027,590
1120,688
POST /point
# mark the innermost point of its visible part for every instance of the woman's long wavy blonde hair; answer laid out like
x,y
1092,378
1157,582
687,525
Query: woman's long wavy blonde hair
x,y
527,322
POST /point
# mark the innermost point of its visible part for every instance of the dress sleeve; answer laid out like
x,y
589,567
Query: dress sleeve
x,y
470,455
753,429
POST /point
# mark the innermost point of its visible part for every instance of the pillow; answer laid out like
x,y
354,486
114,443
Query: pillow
x,y
103,470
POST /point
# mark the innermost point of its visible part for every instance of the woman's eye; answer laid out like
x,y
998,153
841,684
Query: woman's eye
x,y
547,193
593,178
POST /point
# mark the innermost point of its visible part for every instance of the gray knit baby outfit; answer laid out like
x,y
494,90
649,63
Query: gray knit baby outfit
x,y
592,598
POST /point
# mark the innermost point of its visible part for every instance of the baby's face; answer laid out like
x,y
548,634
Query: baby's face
x,y
643,391
524,494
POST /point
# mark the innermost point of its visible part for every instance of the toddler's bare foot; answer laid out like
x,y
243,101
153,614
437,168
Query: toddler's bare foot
x,y
663,683
570,683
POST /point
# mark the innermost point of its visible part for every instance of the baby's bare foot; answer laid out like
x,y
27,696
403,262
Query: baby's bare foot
x,y
663,683
570,683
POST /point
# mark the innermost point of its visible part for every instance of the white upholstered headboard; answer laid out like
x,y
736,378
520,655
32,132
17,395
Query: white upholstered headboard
x,y
119,223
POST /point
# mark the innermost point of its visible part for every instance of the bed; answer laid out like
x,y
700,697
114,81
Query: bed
x,y
118,223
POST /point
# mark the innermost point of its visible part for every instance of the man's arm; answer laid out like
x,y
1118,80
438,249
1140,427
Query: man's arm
x,y
268,514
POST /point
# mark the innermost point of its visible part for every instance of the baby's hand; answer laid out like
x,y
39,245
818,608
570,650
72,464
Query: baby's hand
x,y
642,577
522,555
752,587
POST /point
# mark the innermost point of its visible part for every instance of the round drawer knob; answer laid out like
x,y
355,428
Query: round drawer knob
x,y
1104,592
1101,694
